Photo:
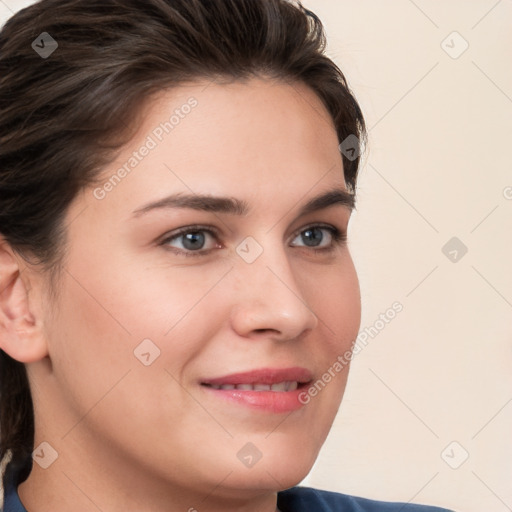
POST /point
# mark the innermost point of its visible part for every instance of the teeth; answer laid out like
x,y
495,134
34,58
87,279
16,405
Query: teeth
x,y
278,387
262,387
244,387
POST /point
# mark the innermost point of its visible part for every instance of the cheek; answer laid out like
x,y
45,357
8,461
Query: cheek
x,y
336,299
99,370
89,347
109,318
339,310
159,299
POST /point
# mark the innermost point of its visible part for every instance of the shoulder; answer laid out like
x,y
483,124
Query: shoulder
x,y
306,499
13,472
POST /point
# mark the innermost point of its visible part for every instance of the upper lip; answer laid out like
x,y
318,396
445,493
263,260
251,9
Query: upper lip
x,y
264,376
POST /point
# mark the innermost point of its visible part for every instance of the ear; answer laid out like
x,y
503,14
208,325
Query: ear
x,y
21,333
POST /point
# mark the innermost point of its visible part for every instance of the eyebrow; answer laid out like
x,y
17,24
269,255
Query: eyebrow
x,y
234,206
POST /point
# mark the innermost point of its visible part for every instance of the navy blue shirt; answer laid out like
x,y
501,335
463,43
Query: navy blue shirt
x,y
296,499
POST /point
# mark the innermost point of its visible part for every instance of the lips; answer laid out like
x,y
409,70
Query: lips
x,y
279,386
264,376
269,389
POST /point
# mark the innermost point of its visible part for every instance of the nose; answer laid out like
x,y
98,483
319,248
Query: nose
x,y
268,301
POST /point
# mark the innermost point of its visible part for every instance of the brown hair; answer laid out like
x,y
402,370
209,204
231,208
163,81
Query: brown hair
x,y
62,116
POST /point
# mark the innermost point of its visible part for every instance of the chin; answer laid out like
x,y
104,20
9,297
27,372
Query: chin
x,y
279,468
258,481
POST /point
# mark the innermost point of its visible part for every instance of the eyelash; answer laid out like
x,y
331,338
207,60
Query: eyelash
x,y
338,238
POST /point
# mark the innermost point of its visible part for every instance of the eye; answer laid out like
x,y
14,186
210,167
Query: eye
x,y
314,237
192,240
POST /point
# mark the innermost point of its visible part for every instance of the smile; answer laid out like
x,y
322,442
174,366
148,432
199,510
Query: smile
x,y
268,390
279,387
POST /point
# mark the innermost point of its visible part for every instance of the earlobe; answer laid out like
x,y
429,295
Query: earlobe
x,y
21,333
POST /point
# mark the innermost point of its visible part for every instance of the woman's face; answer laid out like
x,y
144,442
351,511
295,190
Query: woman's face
x,y
161,305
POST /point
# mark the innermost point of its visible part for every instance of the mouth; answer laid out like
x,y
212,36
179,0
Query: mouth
x,y
278,387
269,389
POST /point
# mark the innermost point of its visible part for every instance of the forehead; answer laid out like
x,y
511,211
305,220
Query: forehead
x,y
252,138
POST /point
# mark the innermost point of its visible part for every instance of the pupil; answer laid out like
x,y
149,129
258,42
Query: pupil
x,y
310,236
193,240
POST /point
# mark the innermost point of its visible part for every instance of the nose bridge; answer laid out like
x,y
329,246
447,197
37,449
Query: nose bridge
x,y
268,295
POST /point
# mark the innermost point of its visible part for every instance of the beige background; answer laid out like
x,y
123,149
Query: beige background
x,y
438,166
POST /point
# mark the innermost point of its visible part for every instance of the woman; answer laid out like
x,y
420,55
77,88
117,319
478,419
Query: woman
x,y
175,275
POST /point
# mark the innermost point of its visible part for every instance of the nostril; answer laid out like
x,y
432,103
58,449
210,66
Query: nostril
x,y
267,331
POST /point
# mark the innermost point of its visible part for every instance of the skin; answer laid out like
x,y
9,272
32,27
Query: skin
x,y
130,436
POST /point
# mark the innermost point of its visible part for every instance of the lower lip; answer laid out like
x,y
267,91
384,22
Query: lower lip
x,y
269,401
